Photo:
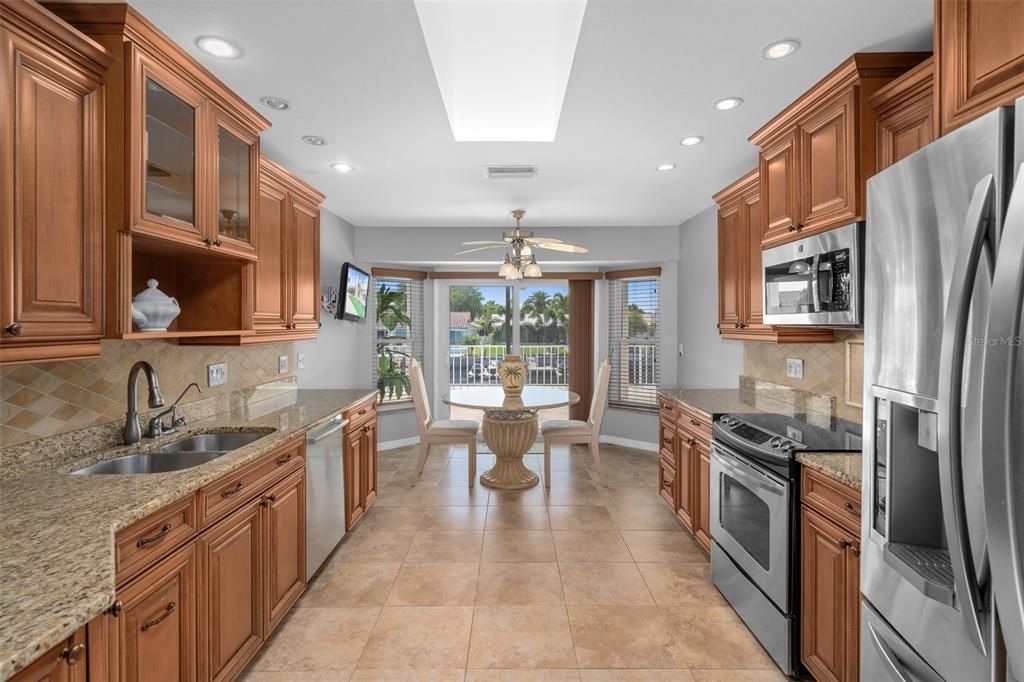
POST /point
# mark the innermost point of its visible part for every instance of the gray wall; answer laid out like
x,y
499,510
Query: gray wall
x,y
708,361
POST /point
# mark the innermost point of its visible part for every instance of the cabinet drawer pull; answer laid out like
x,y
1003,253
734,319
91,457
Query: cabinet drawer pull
x,y
155,538
695,422
232,491
284,459
159,619
364,410
849,507
14,329
73,655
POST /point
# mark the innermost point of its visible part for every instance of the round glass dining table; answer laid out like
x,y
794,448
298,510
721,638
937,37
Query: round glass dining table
x,y
510,427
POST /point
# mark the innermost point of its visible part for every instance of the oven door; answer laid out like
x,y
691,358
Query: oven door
x,y
750,520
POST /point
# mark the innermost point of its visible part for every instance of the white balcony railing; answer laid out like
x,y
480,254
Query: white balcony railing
x,y
478,365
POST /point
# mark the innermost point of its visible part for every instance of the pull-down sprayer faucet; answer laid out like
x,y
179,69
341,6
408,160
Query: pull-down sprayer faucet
x,y
132,431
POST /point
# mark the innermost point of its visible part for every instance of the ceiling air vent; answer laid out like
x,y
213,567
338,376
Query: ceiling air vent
x,y
503,172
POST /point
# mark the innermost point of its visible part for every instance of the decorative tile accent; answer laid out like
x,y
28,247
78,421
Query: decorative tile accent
x,y
52,398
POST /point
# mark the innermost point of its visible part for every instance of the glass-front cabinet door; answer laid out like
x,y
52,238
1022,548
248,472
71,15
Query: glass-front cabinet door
x,y
236,172
171,125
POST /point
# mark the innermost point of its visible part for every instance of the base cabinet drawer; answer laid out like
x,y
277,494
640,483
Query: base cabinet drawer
x,y
65,662
669,483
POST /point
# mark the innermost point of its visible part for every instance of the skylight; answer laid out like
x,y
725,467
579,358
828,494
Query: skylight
x,y
502,65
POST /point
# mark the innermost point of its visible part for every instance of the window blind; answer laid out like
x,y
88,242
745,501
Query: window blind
x,y
395,340
634,341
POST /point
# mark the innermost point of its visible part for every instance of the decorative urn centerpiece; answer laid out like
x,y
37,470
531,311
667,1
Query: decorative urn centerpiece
x,y
513,372
153,310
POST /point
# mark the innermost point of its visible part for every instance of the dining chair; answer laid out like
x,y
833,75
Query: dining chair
x,y
440,432
575,431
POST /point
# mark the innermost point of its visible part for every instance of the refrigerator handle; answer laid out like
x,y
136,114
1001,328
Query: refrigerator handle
x,y
951,364
888,656
1002,471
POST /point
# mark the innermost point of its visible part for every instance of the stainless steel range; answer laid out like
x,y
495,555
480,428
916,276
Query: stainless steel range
x,y
754,517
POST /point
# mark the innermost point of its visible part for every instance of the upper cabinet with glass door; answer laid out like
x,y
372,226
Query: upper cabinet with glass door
x,y
236,165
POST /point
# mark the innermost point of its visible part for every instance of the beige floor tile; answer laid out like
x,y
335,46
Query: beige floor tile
x,y
632,496
408,675
350,584
454,518
571,476
446,545
662,546
512,583
715,637
590,545
580,518
373,546
434,584
623,637
576,495
603,583
460,496
419,637
515,517
523,675
739,676
518,545
403,496
296,676
521,637
643,518
317,639
681,584
534,496
647,675
392,518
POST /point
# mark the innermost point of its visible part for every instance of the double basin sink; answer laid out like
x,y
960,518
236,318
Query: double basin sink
x,y
176,456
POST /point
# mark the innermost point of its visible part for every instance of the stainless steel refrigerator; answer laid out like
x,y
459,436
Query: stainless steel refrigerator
x,y
942,564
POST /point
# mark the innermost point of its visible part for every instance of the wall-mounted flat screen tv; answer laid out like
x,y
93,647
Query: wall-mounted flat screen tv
x,y
355,286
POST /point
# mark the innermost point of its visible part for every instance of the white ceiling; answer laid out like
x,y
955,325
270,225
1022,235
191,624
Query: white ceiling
x,y
646,73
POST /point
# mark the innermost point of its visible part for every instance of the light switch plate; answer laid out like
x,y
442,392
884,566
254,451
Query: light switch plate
x,y
217,374
282,364
794,368
300,361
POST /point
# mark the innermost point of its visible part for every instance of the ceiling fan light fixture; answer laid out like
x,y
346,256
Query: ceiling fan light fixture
x,y
507,270
532,270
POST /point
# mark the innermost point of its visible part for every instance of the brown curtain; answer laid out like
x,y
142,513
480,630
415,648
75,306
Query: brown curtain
x,y
581,345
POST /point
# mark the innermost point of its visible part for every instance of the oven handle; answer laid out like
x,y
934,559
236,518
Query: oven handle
x,y
749,475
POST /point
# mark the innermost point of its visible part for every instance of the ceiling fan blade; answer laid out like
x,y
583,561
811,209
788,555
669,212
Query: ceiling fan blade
x,y
544,240
482,248
567,248
486,241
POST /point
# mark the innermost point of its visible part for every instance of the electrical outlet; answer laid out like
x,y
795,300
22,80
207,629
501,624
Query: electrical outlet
x,y
282,364
300,361
217,374
794,368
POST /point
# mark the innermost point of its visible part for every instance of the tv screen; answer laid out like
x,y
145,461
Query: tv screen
x,y
355,285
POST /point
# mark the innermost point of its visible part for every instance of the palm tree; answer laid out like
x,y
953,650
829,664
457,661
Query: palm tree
x,y
536,306
558,312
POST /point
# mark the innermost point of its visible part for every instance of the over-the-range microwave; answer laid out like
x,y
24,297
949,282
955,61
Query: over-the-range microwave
x,y
816,281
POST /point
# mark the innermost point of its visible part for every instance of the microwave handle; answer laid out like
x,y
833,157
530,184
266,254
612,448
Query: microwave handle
x,y
815,294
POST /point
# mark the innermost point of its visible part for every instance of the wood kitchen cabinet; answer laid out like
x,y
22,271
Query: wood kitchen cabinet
x,y
905,108
817,154
284,517
66,662
684,463
702,490
740,296
979,58
829,579
51,187
360,460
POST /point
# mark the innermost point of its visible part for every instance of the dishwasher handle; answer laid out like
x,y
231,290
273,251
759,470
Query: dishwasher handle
x,y
335,424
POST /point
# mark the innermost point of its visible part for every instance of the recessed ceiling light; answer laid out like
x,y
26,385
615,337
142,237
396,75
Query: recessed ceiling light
x,y
314,140
342,167
691,140
728,103
278,103
781,49
217,47
666,167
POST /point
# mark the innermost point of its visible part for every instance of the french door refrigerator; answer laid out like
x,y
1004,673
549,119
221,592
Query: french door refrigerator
x,y
943,534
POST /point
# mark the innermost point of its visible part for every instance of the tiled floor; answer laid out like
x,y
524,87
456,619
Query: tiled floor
x,y
592,581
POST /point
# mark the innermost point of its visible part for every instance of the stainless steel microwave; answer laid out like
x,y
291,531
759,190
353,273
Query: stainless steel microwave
x,y
816,281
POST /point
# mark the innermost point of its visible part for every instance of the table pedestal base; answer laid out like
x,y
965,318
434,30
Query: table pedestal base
x,y
509,435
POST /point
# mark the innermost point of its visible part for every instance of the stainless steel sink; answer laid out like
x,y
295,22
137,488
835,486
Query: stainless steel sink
x,y
176,456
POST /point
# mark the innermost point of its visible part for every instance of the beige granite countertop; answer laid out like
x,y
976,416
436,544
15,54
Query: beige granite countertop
x,y
57,530
712,401
844,467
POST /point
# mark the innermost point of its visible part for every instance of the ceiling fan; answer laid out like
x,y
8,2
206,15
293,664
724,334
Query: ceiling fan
x,y
521,262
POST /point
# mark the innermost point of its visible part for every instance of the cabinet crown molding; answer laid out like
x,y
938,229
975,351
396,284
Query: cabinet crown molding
x,y
293,182
862,65
51,33
915,83
732,192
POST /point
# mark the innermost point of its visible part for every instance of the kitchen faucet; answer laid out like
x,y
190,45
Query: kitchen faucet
x,y
156,426
132,433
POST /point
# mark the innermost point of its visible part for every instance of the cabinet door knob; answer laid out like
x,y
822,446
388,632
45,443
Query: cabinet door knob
x,y
116,608
14,329
73,654
217,242
856,550
792,228
843,543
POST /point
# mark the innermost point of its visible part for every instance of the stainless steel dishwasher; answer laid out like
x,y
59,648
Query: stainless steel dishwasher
x,y
325,491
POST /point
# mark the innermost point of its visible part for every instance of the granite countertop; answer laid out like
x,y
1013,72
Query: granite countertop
x,y
712,401
57,530
844,467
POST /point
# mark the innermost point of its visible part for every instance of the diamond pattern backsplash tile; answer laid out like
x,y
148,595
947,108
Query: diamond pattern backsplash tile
x,y
824,368
51,398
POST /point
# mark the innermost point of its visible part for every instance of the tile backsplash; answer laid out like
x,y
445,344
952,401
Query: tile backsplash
x,y
824,368
47,399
